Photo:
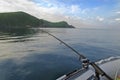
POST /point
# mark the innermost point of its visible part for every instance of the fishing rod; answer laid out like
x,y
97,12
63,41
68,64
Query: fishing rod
x,y
65,44
85,62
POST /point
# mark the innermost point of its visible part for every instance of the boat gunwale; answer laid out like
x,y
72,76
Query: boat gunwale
x,y
83,70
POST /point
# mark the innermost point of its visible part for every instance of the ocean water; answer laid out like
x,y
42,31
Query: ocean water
x,y
30,54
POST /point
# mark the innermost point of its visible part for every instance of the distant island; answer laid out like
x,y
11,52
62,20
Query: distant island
x,y
25,20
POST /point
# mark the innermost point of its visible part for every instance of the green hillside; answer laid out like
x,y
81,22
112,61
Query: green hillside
x,y
24,20
61,24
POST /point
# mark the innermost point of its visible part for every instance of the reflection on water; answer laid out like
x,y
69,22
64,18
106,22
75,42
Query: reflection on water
x,y
29,54
17,34
17,31
36,67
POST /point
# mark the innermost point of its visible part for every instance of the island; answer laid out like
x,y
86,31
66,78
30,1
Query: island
x,y
25,20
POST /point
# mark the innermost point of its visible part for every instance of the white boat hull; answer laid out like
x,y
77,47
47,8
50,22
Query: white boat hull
x,y
110,66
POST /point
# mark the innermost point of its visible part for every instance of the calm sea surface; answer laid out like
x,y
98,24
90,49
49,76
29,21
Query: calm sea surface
x,y
35,55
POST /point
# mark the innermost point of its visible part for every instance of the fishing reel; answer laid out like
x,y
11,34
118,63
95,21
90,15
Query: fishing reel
x,y
85,63
98,70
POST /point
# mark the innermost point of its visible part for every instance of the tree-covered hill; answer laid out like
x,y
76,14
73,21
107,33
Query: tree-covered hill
x,y
25,20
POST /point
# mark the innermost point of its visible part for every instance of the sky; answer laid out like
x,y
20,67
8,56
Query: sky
x,y
79,13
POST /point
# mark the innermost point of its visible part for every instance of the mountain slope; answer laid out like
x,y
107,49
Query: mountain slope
x,y
24,20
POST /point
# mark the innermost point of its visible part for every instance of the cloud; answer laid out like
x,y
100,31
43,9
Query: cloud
x,y
17,5
75,8
118,12
99,18
117,19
